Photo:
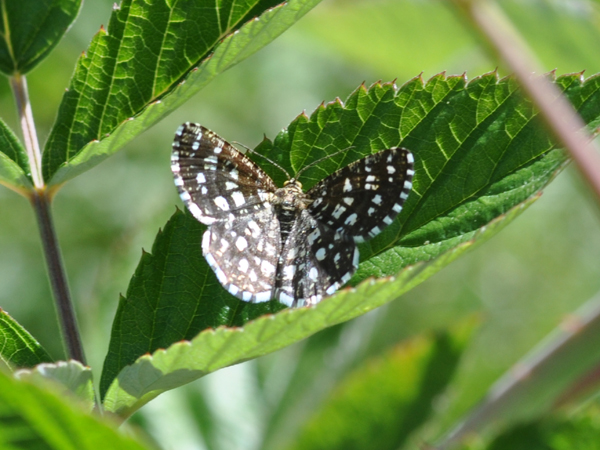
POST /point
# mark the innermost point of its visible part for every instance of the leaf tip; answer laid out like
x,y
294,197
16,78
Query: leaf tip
x,y
578,75
335,102
492,74
265,141
303,116
550,74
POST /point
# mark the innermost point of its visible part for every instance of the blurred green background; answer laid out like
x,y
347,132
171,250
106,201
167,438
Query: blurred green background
x,y
523,282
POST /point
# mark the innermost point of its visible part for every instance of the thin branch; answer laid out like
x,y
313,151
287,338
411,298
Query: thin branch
x,y
40,200
536,381
58,279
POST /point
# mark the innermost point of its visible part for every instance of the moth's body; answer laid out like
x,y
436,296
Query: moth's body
x,y
289,202
265,241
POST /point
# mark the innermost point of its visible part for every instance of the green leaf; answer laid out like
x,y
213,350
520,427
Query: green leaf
x,y
35,418
17,347
30,30
142,68
479,151
14,167
70,377
380,403
140,322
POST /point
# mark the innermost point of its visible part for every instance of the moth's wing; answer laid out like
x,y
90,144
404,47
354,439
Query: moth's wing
x,y
315,261
361,199
213,178
243,251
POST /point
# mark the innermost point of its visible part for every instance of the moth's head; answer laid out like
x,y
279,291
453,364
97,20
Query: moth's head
x,y
294,184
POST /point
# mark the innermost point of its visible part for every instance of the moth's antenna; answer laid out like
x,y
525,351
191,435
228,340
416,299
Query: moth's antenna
x,y
264,157
301,170
321,159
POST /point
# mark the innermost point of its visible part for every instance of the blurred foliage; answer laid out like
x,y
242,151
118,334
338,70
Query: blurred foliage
x,y
524,280
381,404
564,432
35,417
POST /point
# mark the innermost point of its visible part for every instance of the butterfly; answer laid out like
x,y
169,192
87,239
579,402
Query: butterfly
x,y
266,242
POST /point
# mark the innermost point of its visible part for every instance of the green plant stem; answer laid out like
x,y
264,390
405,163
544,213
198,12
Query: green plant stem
x,y
18,84
40,200
566,125
58,279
